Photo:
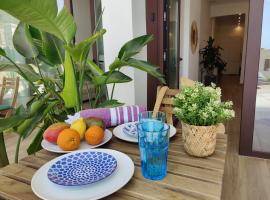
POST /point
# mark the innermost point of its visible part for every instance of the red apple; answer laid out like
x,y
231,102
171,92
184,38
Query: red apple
x,y
52,132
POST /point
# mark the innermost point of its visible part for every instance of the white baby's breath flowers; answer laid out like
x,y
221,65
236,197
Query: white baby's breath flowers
x,y
202,106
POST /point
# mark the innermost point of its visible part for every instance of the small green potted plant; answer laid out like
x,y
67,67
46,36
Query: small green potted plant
x,y
211,59
201,111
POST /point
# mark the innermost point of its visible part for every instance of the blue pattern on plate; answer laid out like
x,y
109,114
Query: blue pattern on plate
x,y
131,129
82,168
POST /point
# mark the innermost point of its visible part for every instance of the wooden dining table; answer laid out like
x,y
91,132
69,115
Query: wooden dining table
x,y
188,177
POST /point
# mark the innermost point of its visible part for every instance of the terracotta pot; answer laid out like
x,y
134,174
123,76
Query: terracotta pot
x,y
199,141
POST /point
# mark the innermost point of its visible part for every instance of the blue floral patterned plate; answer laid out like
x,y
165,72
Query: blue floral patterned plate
x,y
82,168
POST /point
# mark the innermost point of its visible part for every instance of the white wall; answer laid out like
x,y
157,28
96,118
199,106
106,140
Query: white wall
x,y
124,20
205,23
81,11
190,11
139,28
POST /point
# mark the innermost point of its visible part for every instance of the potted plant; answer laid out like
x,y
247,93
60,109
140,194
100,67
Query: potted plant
x,y
211,59
46,41
201,111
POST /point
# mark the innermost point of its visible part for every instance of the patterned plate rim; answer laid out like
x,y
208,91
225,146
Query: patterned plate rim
x,y
72,153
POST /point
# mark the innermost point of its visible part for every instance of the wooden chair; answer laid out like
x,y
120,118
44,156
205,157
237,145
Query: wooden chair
x,y
8,83
164,102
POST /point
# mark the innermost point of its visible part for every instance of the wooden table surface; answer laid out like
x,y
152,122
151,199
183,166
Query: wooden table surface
x,y
188,177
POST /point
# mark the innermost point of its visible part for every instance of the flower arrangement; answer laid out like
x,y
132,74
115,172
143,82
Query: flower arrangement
x,y
202,106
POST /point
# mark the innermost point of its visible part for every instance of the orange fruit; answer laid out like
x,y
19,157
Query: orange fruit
x,y
94,135
69,140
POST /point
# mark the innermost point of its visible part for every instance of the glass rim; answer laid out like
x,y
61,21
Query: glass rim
x,y
163,130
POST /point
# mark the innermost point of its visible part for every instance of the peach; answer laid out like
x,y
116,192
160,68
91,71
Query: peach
x,y
52,132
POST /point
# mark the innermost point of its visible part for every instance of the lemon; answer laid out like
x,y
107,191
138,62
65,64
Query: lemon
x,y
80,126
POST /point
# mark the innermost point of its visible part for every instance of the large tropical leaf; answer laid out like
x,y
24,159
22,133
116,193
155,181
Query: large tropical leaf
x,y
27,127
94,68
51,49
81,50
42,14
25,68
138,64
36,143
2,52
70,92
134,46
19,116
110,104
23,42
111,77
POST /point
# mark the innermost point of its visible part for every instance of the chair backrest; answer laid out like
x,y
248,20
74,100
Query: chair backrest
x,y
164,102
10,83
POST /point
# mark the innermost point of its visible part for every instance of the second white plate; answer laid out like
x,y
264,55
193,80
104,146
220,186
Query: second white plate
x,y
56,149
118,132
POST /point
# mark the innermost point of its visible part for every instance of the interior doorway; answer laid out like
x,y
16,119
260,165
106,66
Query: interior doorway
x,y
229,35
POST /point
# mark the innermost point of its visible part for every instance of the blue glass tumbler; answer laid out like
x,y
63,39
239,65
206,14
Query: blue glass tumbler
x,y
153,144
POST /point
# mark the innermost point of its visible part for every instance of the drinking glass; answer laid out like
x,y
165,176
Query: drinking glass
x,y
155,122
153,144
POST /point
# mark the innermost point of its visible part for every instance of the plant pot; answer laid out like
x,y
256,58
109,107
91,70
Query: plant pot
x,y
199,141
208,79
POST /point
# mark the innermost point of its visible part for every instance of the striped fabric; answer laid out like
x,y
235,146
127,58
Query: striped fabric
x,y
114,116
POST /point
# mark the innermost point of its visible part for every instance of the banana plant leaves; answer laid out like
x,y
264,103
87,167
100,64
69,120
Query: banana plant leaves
x,y
36,143
111,77
134,46
110,104
23,42
42,14
70,92
25,68
51,49
20,115
138,64
81,50
27,127
2,52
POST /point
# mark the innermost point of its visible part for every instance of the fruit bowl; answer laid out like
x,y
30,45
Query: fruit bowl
x,y
56,149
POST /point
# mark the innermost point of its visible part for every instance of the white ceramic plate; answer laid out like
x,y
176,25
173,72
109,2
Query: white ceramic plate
x,y
56,149
47,190
117,132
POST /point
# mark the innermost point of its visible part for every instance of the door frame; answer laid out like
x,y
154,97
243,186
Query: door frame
x,y
251,80
157,51
154,26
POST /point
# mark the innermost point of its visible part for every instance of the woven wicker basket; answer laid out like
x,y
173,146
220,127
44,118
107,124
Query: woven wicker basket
x,y
199,141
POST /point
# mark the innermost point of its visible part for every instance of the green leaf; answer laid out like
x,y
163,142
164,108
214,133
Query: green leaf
x,y
110,104
151,69
27,70
23,42
111,77
94,68
16,119
134,46
2,52
80,51
36,143
70,92
51,49
43,15
27,127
